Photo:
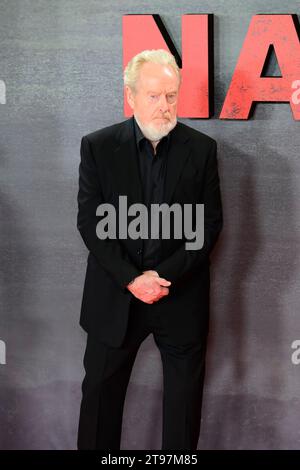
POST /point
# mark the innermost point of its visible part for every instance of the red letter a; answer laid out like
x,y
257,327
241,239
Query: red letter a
x,y
247,84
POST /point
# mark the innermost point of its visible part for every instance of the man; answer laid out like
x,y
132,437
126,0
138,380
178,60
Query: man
x,y
137,286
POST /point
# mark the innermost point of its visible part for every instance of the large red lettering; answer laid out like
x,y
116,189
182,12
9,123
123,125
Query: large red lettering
x,y
247,84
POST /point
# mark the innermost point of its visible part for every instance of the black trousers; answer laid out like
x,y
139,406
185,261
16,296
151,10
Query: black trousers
x,y
107,374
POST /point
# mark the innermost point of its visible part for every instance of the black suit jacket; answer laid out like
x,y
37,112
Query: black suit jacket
x,y
109,169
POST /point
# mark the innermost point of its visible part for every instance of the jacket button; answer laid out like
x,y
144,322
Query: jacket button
x,y
139,252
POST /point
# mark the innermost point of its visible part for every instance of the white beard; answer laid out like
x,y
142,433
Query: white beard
x,y
153,133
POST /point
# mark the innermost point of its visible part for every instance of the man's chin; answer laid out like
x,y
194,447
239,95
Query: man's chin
x,y
161,129
158,128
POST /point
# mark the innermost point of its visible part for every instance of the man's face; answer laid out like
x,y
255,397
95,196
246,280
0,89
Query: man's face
x,y
154,102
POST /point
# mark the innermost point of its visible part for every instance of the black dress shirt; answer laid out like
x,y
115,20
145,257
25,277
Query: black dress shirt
x,y
153,168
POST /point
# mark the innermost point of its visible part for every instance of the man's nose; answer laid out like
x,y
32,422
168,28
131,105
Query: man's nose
x,y
163,104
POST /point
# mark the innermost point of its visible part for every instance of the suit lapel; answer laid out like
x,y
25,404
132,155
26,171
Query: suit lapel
x,y
125,165
177,159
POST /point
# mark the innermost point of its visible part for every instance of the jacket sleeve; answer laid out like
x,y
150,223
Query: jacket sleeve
x,y
183,260
109,252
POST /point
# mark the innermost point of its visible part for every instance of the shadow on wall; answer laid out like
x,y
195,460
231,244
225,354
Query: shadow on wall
x,y
38,409
20,332
252,270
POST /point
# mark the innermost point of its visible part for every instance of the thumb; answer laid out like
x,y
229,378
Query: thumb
x,y
163,282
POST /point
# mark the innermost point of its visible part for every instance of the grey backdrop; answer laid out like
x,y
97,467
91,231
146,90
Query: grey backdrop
x,y
62,65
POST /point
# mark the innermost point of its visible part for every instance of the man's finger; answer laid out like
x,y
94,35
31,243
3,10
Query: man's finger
x,y
163,290
162,281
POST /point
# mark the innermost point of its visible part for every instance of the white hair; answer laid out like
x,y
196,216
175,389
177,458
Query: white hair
x,y
157,56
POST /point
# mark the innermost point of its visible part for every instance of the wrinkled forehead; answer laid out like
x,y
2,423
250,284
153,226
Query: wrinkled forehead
x,y
157,77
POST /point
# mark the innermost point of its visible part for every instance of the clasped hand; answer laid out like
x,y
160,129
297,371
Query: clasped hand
x,y
149,287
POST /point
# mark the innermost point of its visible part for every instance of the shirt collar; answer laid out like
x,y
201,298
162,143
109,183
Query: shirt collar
x,y
139,136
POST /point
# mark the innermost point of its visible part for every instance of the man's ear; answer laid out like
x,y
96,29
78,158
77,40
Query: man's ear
x,y
129,96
